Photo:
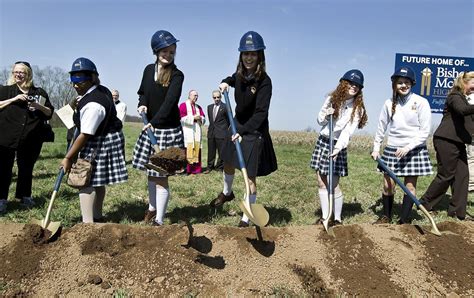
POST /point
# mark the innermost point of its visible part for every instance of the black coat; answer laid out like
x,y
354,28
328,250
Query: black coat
x,y
457,123
217,127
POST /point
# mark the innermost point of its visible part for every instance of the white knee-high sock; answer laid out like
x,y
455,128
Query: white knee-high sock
x,y
338,201
86,199
151,195
324,202
252,199
162,198
228,180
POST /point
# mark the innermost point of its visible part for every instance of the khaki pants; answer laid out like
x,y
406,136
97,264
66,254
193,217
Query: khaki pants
x,y
470,163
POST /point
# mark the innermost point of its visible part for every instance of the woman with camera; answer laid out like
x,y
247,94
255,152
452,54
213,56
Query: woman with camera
x,y
24,109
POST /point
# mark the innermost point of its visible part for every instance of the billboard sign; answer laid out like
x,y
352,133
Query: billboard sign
x,y
435,75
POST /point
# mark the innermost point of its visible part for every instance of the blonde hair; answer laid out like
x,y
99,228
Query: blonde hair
x,y
164,75
462,79
28,76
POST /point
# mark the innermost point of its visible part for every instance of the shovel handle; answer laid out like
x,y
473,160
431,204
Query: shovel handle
x,y
395,178
150,133
434,228
57,183
233,129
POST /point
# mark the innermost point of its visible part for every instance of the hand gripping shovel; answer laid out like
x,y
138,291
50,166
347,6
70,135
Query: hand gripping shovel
x,y
331,174
434,228
154,143
255,212
53,226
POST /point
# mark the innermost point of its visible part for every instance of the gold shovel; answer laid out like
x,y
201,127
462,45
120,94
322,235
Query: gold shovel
x,y
52,226
255,212
434,229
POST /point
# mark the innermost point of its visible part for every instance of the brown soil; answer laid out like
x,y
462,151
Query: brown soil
x,y
361,260
171,160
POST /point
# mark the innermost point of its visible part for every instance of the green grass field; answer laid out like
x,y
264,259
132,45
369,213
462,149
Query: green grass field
x,y
289,194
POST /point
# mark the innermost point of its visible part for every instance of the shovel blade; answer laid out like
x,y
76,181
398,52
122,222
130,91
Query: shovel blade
x,y
52,226
151,166
256,213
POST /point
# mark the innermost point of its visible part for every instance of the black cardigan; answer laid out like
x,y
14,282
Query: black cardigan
x,y
252,103
161,102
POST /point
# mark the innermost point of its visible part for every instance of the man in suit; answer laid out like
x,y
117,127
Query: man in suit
x,y
218,125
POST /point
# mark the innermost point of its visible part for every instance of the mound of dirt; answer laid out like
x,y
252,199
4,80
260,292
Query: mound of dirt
x,y
362,260
171,160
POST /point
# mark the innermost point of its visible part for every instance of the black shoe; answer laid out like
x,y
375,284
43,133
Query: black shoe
x,y
383,220
221,199
319,221
149,216
243,224
403,222
155,224
334,223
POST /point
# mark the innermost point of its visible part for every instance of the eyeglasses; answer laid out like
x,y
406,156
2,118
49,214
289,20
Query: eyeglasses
x,y
216,97
19,72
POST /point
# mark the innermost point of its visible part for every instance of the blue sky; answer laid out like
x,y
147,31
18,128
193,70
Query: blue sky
x,y
310,44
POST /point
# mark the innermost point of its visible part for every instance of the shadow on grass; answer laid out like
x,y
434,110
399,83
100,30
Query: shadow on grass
x,y
193,214
132,211
279,216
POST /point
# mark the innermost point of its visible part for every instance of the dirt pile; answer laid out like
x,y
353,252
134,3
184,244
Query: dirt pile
x,y
170,160
363,260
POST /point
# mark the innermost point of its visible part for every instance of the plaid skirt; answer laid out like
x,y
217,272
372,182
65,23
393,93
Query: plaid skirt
x,y
166,138
109,163
415,163
320,158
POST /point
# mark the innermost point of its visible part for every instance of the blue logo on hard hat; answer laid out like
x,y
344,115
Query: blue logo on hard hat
x,y
162,39
355,76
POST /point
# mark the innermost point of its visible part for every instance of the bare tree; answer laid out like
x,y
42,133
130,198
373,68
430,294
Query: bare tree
x,y
56,82
4,74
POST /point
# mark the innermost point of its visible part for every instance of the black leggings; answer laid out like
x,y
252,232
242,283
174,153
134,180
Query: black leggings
x,y
26,155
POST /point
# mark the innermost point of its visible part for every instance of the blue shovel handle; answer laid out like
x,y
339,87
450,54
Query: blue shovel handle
x,y
331,150
61,173
233,128
149,132
395,178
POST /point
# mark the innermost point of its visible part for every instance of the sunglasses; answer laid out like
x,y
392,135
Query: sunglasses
x,y
216,97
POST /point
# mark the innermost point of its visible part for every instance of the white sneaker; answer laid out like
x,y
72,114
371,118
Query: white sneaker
x,y
3,206
27,202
